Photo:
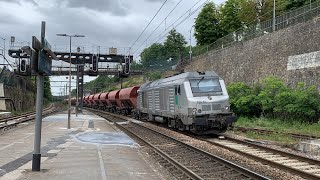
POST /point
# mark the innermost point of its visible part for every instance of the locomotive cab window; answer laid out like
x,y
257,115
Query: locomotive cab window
x,y
205,85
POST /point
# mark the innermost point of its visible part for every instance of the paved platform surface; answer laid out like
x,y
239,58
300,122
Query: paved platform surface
x,y
92,149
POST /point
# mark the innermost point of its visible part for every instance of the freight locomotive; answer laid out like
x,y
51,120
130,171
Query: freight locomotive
x,y
192,101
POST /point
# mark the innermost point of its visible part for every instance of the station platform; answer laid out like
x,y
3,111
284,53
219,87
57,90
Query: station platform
x,y
92,149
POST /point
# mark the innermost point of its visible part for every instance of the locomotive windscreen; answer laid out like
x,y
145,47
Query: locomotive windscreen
x,y
205,85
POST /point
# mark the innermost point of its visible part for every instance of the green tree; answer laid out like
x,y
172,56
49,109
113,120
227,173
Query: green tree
x,y
154,54
47,89
136,66
174,45
207,25
230,20
247,14
293,4
101,83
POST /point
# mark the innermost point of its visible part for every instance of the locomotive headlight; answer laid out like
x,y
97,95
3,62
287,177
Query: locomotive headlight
x,y
199,110
226,108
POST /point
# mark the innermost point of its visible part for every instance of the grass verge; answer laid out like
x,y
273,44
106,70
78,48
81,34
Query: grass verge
x,y
279,126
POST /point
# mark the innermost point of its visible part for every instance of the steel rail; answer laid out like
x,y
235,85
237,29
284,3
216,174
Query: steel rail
x,y
269,162
266,131
21,115
25,117
239,169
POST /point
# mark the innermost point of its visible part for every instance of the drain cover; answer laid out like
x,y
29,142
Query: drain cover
x,y
105,138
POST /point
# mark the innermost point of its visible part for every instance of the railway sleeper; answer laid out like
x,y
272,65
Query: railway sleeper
x,y
313,170
286,161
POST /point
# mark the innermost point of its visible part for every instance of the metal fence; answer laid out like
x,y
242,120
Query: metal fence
x,y
298,15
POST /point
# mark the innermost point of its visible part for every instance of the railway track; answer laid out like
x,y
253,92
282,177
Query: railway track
x,y
302,166
264,131
184,161
10,122
299,165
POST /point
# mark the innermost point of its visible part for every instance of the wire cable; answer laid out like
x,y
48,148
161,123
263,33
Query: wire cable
x,y
148,24
188,11
160,24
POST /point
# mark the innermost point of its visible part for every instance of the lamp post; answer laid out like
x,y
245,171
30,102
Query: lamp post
x,y
190,50
274,16
4,46
69,106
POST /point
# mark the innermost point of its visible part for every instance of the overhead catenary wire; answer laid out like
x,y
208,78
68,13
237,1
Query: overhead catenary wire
x,y
174,26
148,24
178,24
190,11
160,24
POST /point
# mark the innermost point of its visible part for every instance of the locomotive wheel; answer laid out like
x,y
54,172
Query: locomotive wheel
x,y
180,126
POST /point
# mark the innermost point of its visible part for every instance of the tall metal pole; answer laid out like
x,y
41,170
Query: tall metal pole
x,y
36,158
4,47
37,139
310,5
77,89
69,109
190,50
274,16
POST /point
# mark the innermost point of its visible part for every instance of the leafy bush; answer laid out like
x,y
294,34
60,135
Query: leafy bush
x,y
299,103
153,75
270,87
272,98
243,99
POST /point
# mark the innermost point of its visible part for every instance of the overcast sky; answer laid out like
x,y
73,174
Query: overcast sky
x,y
105,23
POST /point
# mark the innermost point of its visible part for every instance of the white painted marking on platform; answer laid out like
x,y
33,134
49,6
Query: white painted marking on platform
x,y
65,145
20,140
4,147
54,151
301,61
102,168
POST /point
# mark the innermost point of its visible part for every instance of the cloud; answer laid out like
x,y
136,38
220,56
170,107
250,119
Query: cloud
x,y
20,2
115,7
155,0
105,23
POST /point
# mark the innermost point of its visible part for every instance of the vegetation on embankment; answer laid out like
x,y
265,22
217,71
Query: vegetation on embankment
x,y
272,105
110,83
272,98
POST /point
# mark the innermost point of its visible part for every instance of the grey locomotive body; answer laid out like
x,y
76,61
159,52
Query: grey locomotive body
x,y
192,101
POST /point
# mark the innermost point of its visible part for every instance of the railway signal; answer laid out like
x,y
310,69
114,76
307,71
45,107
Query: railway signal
x,y
94,63
126,65
23,65
94,68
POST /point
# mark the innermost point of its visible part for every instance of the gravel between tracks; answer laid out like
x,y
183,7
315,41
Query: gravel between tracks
x,y
258,167
274,145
